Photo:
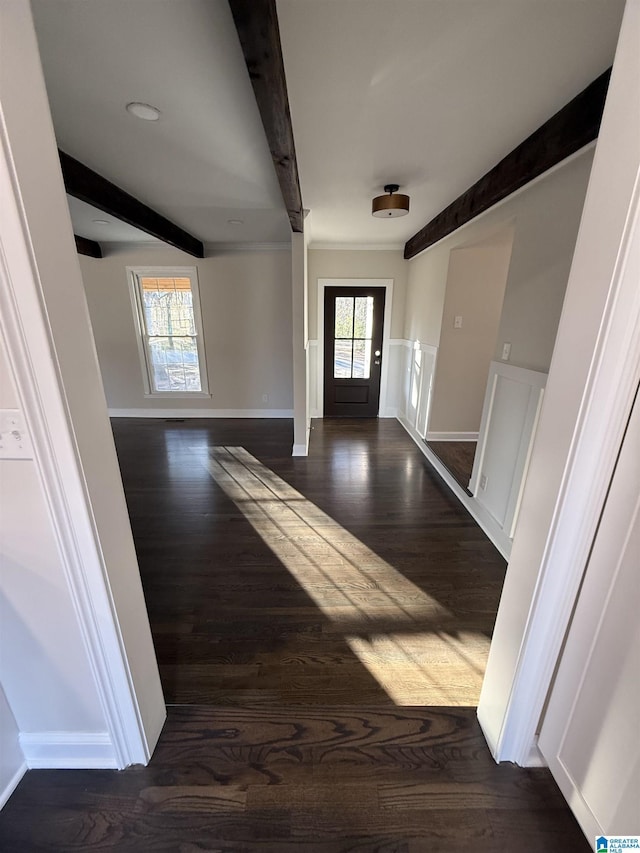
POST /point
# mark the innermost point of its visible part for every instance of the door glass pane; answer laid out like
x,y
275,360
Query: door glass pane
x,y
344,317
361,359
342,360
363,325
174,364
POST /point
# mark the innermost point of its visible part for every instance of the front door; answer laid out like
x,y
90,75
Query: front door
x,y
353,318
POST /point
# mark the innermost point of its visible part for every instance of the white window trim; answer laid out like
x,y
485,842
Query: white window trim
x,y
133,274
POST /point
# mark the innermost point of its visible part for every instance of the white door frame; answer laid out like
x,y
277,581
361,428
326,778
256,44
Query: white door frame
x,y
592,379
387,283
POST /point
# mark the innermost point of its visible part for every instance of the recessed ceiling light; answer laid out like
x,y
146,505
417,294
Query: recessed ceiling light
x,y
235,221
101,221
143,111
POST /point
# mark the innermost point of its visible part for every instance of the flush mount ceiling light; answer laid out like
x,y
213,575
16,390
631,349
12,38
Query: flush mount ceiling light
x,y
143,111
101,221
235,221
390,205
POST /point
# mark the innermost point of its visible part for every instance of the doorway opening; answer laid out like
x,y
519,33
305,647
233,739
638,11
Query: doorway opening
x,y
354,319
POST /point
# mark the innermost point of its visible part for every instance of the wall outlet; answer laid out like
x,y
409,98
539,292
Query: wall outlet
x,y
506,351
457,321
483,481
265,398
14,438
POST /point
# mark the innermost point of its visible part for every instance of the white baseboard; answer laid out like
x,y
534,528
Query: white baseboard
x,y
479,513
388,412
12,784
200,413
452,436
68,750
300,450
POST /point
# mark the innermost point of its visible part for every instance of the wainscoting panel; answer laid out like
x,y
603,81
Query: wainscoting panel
x,y
420,365
509,417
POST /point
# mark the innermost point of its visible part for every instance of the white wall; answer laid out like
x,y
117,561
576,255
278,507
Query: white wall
x,y
475,289
545,215
246,313
92,666
12,764
300,350
593,376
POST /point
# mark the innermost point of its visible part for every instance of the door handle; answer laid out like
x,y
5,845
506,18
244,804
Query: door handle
x,y
377,355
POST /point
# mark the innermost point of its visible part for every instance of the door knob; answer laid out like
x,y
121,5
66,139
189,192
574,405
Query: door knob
x,y
377,353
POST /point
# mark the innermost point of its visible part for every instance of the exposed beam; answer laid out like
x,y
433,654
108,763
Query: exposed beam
x,y
82,182
87,247
257,25
569,130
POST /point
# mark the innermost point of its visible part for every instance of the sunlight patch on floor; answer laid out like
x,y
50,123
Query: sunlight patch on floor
x,y
406,639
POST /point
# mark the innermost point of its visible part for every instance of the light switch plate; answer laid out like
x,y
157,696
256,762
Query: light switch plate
x,y
457,321
506,351
15,442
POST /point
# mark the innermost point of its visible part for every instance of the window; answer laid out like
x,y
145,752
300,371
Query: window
x,y
167,311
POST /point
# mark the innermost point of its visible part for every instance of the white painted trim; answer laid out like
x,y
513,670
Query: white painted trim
x,y
31,354
68,750
387,283
484,519
357,247
12,784
452,436
200,413
300,450
537,381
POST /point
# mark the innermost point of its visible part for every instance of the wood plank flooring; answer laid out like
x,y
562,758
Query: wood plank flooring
x,y
458,457
323,780
320,624
382,572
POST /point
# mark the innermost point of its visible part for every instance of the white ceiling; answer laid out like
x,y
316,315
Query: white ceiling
x,y
429,94
206,160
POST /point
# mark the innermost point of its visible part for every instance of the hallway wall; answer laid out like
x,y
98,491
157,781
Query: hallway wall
x,y
546,215
246,314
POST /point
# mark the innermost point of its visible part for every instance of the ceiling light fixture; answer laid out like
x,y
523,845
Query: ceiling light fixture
x,y
235,221
101,221
143,111
390,205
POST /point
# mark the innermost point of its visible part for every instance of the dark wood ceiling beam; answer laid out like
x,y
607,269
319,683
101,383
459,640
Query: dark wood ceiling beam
x,y
82,182
257,25
87,247
574,126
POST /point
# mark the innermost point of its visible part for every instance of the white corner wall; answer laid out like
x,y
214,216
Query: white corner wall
x,y
245,299
12,763
74,616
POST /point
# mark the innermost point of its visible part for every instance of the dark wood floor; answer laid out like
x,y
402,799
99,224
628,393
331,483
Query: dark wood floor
x,y
242,617
325,780
317,621
457,457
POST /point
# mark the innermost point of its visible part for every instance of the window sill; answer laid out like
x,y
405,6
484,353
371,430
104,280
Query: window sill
x,y
181,395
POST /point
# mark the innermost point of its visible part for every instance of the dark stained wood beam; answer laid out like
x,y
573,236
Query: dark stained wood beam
x,y
257,25
87,247
569,130
82,182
